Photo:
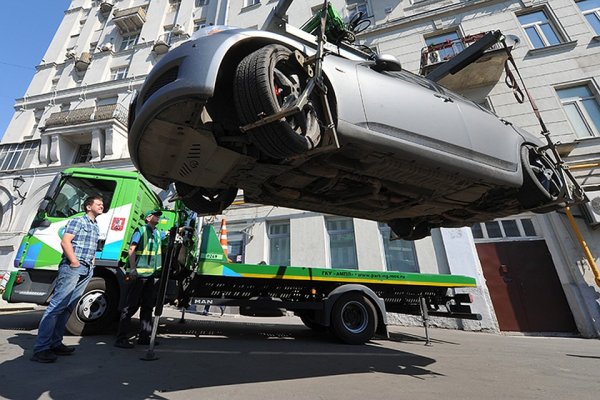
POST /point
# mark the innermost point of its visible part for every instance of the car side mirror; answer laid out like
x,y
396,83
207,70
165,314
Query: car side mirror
x,y
386,62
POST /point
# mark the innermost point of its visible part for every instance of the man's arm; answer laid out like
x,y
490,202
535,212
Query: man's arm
x,y
67,246
132,258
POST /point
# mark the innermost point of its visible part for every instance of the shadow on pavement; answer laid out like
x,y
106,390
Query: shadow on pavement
x,y
197,354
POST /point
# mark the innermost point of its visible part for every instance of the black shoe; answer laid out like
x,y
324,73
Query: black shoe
x,y
44,356
124,344
62,350
147,342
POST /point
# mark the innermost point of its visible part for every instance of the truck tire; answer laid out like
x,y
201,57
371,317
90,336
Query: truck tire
x,y
353,318
96,311
266,80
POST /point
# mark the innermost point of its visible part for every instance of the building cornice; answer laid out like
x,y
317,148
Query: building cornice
x,y
96,89
463,5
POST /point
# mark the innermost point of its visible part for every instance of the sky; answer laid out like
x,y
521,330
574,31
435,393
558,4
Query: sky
x,y
26,28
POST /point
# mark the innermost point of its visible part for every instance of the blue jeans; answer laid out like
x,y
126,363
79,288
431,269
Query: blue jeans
x,y
70,284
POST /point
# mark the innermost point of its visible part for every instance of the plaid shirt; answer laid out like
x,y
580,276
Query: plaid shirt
x,y
85,242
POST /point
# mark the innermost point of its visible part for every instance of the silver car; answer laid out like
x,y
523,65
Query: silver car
x,y
369,140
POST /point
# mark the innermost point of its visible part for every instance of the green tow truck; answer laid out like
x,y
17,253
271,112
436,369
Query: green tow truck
x,y
352,304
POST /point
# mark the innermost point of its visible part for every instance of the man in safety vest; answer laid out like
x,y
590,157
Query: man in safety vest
x,y
143,269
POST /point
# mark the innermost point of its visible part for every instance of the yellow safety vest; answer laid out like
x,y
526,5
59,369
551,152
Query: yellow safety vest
x,y
147,252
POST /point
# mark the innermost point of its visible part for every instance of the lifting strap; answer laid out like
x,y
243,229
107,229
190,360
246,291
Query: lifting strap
x,y
571,194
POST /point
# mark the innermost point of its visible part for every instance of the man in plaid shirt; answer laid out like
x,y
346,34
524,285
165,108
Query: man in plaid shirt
x,y
79,243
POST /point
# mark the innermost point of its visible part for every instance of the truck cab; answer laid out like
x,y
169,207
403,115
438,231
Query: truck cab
x,y
126,197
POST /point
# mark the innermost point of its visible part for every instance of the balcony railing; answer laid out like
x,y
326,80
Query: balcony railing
x,y
441,52
88,114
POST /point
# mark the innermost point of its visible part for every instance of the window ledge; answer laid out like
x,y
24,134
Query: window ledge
x,y
250,7
549,49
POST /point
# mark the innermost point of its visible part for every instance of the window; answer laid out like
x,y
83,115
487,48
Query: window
x,y
279,243
591,12
129,41
118,73
199,23
68,201
399,254
84,154
504,229
341,243
200,3
540,30
356,6
447,46
17,155
248,3
582,110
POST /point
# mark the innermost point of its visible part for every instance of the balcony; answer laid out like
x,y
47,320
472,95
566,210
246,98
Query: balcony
x,y
130,19
85,115
83,61
487,70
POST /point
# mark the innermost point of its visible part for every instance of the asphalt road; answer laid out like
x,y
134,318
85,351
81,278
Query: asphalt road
x,y
243,358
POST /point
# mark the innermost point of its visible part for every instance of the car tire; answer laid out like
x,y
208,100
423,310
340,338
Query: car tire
x,y
541,181
264,80
353,319
97,309
205,201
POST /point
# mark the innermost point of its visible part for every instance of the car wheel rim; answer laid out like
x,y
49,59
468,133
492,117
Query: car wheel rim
x,y
355,317
92,306
546,174
287,89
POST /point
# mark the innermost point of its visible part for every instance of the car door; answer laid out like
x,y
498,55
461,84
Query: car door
x,y
494,143
411,108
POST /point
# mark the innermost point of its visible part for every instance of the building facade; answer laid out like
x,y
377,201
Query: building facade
x,y
531,271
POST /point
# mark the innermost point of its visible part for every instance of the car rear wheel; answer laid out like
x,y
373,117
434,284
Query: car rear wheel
x,y
265,82
542,183
205,201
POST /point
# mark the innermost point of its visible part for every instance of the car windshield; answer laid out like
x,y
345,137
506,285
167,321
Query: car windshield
x,y
73,191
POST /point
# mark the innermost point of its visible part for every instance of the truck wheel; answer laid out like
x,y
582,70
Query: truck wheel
x,y
96,310
265,82
353,319
541,182
206,201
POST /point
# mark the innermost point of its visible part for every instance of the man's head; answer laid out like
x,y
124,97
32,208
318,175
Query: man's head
x,y
152,216
94,206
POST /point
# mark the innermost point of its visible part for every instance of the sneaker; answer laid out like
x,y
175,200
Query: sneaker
x,y
44,356
124,344
62,350
143,342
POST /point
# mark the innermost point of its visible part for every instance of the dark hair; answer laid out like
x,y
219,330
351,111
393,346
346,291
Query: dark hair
x,y
90,200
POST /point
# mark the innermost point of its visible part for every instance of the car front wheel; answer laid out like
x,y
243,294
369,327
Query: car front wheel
x,y
205,201
267,81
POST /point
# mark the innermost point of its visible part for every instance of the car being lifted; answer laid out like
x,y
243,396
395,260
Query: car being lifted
x,y
301,123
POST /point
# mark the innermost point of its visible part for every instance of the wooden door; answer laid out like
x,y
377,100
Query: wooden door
x,y
524,287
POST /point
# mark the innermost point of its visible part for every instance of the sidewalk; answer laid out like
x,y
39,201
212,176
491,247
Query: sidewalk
x,y
5,306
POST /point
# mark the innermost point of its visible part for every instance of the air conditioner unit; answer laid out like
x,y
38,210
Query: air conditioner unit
x,y
107,47
591,209
178,30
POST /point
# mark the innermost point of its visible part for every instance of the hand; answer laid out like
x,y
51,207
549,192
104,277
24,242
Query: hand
x,y
133,274
75,265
